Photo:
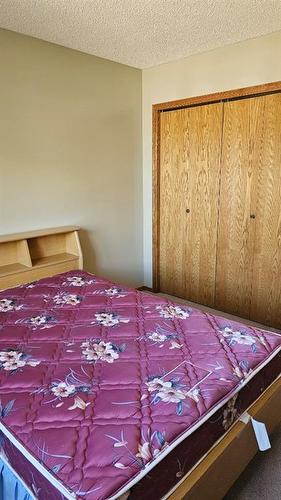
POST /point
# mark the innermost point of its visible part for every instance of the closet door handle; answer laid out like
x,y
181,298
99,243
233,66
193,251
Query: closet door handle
x,y
252,216
187,210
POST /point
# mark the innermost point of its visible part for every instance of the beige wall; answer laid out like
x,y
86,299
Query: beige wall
x,y
70,139
244,64
70,152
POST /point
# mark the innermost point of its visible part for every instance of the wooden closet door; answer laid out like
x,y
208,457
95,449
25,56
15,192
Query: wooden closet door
x,y
190,148
236,231
266,276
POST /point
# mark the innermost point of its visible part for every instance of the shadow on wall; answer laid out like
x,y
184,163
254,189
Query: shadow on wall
x,y
96,248
91,262
88,251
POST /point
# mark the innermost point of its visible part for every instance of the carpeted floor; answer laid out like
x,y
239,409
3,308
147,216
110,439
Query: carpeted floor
x,y
261,480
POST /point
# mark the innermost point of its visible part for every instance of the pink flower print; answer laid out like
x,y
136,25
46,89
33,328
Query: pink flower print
x,y
13,365
12,360
10,356
99,350
170,312
157,384
157,337
63,390
69,299
230,412
144,452
171,395
7,305
79,403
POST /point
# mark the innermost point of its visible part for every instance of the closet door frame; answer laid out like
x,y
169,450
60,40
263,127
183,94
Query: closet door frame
x,y
157,109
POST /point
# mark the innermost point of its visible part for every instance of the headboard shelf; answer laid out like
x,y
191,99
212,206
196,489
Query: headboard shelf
x,y
32,255
53,259
12,269
37,233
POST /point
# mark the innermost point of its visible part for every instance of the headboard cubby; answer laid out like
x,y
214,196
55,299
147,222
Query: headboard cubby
x,y
32,255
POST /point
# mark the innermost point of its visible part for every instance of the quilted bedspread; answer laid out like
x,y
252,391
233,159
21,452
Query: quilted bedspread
x,y
99,382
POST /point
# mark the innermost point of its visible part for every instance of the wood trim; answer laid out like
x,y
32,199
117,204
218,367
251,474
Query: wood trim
x,y
22,276
23,253
266,88
25,257
236,448
220,96
155,197
73,246
145,289
38,232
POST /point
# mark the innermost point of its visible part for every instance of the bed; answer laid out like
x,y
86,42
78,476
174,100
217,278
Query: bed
x,y
108,392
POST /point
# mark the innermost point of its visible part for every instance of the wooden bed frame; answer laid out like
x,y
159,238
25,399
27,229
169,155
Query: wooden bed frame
x,y
211,479
47,252
32,255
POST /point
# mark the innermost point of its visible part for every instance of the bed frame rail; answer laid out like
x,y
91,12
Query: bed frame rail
x,y
211,479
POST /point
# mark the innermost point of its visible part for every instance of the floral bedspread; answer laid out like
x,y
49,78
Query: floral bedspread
x,y
98,382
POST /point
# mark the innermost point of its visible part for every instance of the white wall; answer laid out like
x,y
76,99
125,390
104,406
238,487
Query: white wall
x,y
241,65
70,153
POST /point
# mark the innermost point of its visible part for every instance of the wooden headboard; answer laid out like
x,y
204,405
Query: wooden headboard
x,y
32,255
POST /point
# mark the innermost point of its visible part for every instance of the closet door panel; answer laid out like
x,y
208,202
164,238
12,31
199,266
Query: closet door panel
x,y
190,148
237,203
266,287
173,188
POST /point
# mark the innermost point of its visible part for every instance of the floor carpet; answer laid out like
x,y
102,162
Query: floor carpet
x,y
261,480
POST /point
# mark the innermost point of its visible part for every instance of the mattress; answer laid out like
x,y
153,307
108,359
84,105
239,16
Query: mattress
x,y
101,386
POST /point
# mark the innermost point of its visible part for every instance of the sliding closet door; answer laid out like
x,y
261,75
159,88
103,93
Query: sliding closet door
x,y
190,148
241,144
266,278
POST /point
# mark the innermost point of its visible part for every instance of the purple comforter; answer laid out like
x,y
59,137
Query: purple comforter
x,y
99,382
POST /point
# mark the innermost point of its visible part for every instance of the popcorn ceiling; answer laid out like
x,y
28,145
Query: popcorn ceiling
x,y
142,33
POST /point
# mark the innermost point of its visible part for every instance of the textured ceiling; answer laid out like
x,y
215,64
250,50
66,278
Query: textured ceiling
x,y
141,33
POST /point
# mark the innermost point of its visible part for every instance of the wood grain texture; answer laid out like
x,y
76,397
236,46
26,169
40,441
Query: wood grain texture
x,y
38,255
37,232
236,230
249,249
242,265
23,275
23,254
155,198
266,276
73,246
236,449
190,147
44,246
50,260
219,96
265,89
